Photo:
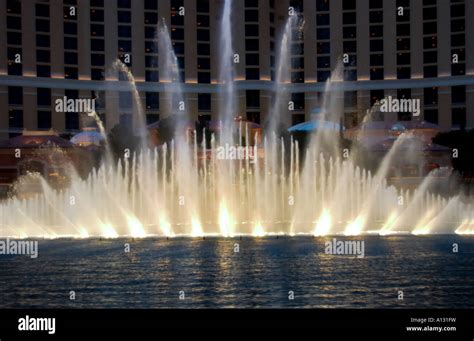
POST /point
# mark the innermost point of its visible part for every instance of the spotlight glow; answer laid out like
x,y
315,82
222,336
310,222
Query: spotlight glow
x,y
355,227
258,230
225,221
165,227
108,231
197,230
136,227
421,231
83,233
422,227
323,224
387,227
466,228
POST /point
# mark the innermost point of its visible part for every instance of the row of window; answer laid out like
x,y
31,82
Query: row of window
x,y
15,101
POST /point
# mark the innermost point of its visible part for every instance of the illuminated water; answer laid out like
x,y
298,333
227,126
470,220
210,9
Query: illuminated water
x,y
260,275
173,190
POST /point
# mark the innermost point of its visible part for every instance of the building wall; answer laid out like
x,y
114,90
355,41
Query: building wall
x,y
65,52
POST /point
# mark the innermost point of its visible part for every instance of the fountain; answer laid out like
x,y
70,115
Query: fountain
x,y
171,191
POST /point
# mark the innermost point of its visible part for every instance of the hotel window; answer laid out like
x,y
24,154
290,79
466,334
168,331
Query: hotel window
x,y
42,29
151,76
252,45
430,96
251,3
430,100
202,6
42,25
152,100
124,17
376,73
42,10
203,20
376,40
252,74
177,35
272,40
43,71
349,39
151,47
297,119
44,119
99,98
350,99
404,94
70,73
71,118
151,5
97,59
14,23
70,28
458,37
251,15
14,36
72,121
431,115
124,3
124,32
97,3
126,120
403,37
97,15
252,99
297,45
15,121
323,35
298,100
459,118
125,100
97,74
430,57
13,7
252,61
322,5
152,118
43,97
15,95
70,44
430,39
97,39
458,94
204,102
376,96
97,30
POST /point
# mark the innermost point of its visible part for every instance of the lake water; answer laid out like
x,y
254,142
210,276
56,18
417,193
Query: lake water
x,y
209,274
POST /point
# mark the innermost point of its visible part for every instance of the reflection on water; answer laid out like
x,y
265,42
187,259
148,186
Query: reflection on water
x,y
261,274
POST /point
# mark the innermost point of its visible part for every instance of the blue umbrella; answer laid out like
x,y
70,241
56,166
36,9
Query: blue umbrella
x,y
313,125
87,138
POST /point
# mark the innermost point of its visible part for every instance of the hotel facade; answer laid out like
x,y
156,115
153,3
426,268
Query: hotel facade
x,y
417,49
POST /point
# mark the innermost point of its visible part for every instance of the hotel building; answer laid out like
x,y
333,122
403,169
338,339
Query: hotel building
x,y
420,49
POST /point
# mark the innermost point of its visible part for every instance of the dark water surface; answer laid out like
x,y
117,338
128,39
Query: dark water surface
x,y
261,274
